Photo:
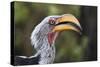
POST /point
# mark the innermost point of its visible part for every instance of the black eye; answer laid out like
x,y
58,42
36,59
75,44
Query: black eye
x,y
52,22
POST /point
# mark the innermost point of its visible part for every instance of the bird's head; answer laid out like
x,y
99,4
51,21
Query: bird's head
x,y
62,23
52,25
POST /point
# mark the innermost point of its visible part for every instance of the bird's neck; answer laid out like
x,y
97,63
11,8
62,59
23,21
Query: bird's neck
x,y
45,49
47,52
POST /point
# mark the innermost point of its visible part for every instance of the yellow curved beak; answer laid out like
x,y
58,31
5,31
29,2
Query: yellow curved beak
x,y
67,22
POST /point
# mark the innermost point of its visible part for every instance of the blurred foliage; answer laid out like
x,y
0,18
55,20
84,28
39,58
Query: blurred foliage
x,y
70,46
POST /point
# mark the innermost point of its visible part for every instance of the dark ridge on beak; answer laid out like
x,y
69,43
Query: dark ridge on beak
x,y
70,23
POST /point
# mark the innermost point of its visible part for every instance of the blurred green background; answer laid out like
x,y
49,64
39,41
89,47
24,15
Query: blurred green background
x,y
70,46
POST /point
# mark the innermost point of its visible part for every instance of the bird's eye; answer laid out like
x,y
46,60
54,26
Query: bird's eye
x,y
52,22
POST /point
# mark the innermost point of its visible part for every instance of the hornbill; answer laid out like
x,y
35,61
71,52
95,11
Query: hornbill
x,y
43,38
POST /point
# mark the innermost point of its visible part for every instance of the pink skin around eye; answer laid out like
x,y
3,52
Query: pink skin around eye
x,y
52,20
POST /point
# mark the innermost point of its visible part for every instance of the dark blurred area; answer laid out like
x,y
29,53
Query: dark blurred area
x,y
70,46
